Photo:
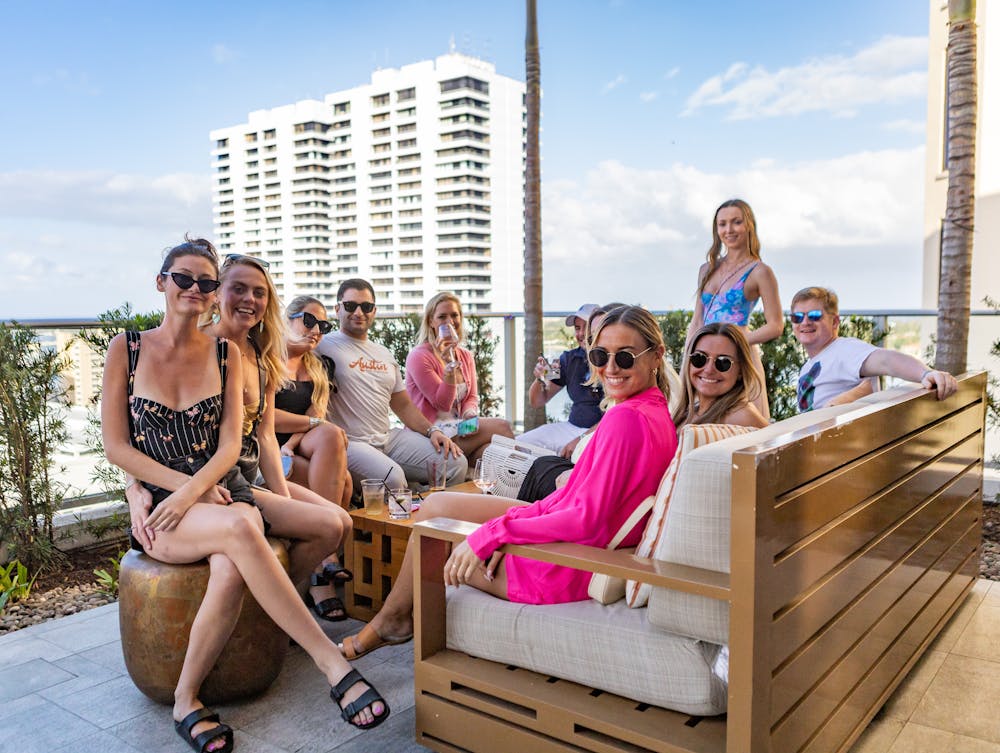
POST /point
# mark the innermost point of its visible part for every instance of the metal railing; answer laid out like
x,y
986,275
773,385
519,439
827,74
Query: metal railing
x,y
910,330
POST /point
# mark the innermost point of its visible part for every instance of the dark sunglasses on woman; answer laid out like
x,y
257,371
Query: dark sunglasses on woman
x,y
699,359
309,321
352,306
184,282
625,359
231,258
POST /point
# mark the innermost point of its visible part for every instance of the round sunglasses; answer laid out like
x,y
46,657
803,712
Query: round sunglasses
x,y
352,306
699,359
309,321
624,359
184,282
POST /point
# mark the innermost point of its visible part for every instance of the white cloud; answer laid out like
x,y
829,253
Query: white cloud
x,y
890,70
639,235
614,83
222,54
672,73
101,197
74,244
906,126
648,96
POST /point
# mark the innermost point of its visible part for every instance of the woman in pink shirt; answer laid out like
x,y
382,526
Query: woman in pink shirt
x,y
622,465
441,378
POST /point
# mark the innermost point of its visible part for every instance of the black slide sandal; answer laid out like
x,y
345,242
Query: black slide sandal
x,y
368,698
202,741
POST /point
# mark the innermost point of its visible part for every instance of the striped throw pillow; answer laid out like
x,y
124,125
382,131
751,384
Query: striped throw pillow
x,y
692,436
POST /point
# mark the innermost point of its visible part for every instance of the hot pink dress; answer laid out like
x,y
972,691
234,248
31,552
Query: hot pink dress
x,y
622,465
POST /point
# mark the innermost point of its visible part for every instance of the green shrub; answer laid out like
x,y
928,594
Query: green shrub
x,y
14,583
479,338
107,579
32,427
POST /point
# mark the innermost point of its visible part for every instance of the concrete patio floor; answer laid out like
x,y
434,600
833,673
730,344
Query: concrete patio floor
x,y
63,687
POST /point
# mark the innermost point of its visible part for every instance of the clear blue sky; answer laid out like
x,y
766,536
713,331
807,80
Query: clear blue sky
x,y
653,113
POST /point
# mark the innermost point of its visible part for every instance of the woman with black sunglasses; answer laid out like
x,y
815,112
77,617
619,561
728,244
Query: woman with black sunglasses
x,y
719,380
170,416
316,447
622,465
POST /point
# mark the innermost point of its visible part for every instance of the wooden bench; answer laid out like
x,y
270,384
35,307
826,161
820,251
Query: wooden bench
x,y
853,541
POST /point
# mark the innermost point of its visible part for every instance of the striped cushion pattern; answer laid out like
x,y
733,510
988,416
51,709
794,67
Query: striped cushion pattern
x,y
692,437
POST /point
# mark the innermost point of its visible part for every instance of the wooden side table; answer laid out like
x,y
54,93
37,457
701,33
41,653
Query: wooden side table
x,y
374,553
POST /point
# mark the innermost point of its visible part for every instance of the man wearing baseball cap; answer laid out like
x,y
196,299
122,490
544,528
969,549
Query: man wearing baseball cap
x,y
562,436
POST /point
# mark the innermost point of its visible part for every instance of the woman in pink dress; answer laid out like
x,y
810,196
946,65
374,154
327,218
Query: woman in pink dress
x,y
622,465
441,378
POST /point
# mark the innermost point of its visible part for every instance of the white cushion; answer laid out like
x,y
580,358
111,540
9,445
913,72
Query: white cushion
x,y
612,648
691,437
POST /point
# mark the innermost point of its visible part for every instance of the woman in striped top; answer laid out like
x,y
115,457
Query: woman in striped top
x,y
171,418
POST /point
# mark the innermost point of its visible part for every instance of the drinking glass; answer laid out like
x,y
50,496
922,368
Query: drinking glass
x,y
437,473
447,332
554,370
374,496
400,502
485,476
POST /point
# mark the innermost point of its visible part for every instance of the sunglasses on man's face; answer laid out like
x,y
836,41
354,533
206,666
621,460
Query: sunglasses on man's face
x,y
184,282
624,359
309,321
231,258
699,359
798,317
352,306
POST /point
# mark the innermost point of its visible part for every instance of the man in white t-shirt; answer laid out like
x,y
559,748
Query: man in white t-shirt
x,y
842,369
369,385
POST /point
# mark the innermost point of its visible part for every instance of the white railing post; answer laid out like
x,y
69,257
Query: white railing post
x,y
510,367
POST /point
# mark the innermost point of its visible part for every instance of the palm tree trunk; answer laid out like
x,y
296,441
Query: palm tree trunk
x,y
956,242
533,343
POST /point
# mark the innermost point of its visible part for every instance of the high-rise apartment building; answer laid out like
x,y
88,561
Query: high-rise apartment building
x,y
414,181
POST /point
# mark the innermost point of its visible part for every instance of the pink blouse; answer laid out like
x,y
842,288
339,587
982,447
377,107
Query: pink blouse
x,y
426,386
622,465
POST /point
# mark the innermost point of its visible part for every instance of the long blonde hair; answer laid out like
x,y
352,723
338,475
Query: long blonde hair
x,y
310,361
269,335
748,387
645,324
428,332
714,256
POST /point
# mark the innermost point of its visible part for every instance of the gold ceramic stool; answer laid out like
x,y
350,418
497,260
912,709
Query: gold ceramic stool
x,y
157,603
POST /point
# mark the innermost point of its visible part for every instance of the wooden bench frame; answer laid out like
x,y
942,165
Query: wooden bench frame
x,y
853,542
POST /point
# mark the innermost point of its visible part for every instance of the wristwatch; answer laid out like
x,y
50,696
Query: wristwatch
x,y
430,430
314,421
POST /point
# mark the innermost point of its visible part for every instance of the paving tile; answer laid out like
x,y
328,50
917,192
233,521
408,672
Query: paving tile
x,y
916,738
397,734
24,649
79,636
85,674
150,731
107,654
877,737
297,713
954,701
949,636
23,679
993,594
981,636
123,702
102,742
902,703
35,725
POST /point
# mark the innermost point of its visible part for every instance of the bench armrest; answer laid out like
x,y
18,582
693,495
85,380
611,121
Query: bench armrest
x,y
615,562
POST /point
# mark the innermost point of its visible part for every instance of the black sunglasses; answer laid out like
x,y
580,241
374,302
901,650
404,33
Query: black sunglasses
x,y
311,321
699,359
625,359
184,282
230,258
352,306
798,316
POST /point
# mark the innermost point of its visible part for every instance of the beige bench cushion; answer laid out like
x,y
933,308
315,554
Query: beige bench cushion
x,y
611,648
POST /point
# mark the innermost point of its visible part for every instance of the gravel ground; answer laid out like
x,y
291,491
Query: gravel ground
x,y
64,600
